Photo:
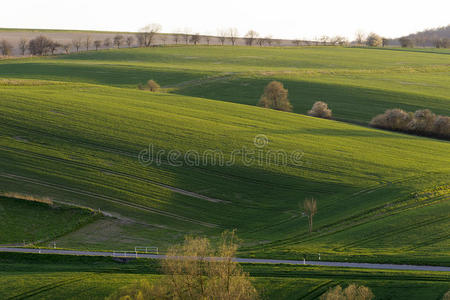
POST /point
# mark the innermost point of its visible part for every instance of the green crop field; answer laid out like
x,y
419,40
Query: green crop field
x,y
54,277
192,159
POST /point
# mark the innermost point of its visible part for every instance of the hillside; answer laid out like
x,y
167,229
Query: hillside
x,y
381,195
356,83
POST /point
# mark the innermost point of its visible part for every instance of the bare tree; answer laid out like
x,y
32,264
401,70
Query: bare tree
x,y
222,35
324,39
296,42
177,38
53,46
6,47
406,42
269,40
118,40
163,38
360,37
130,41
23,45
275,96
77,43
107,42
195,38
310,209
186,35
147,34
250,37
39,45
66,48
208,39
261,41
385,42
87,42
97,44
233,35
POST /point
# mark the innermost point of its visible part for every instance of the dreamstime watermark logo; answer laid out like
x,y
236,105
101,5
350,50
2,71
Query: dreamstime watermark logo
x,y
259,154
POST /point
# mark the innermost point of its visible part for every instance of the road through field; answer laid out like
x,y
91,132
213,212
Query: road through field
x,y
131,254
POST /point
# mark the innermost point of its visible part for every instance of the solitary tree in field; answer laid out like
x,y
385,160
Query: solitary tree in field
x,y
276,97
23,45
118,40
250,37
310,209
97,44
77,43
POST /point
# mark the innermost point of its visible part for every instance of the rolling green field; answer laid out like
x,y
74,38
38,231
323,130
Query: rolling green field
x,y
54,277
382,196
357,83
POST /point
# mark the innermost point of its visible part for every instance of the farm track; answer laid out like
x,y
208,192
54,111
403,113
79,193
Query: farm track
x,y
107,198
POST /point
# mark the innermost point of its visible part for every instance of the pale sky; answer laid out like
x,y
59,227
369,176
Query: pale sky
x,y
279,18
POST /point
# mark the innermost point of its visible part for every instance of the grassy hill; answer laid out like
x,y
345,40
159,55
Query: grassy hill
x,y
356,83
382,196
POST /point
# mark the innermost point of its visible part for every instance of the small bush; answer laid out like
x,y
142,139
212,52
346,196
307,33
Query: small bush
x,y
394,119
352,292
320,110
153,86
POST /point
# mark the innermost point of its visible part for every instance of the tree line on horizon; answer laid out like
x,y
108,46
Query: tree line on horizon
x,y
147,35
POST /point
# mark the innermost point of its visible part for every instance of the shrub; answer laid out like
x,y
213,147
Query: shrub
x,y
275,97
320,110
422,122
352,292
153,86
441,126
394,119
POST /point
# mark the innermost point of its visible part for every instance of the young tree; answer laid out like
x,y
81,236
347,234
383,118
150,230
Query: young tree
x,y
233,35
147,34
352,292
310,209
250,37
97,44
374,40
77,43
118,40
6,47
208,39
23,46
87,42
275,97
130,41
222,35
320,110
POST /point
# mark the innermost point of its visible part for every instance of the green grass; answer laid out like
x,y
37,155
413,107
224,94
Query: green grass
x,y
382,196
58,277
357,83
22,220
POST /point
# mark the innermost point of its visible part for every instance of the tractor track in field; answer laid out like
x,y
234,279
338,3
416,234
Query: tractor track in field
x,y
107,198
117,173
46,288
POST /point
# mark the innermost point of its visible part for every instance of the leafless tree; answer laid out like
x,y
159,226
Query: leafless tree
x,y
385,42
130,41
118,40
66,48
360,37
107,42
269,40
163,38
261,41
406,42
39,45
97,44
233,35
54,46
195,38
186,35
310,209
208,39
338,40
77,43
250,37
6,47
324,39
23,46
147,34
296,42
87,42
176,38
222,35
